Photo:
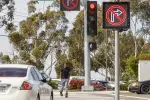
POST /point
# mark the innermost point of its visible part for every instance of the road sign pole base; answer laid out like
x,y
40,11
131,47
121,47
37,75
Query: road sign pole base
x,y
87,88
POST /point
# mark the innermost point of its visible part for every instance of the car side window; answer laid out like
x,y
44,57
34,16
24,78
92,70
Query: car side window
x,y
34,75
38,74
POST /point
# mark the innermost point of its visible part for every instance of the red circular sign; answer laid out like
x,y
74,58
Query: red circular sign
x,y
72,4
111,14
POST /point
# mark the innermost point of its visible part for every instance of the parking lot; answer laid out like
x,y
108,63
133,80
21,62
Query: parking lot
x,y
101,96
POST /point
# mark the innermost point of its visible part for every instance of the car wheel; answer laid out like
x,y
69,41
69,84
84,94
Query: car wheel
x,y
145,89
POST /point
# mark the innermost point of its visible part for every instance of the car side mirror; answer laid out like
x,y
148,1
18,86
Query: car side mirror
x,y
44,80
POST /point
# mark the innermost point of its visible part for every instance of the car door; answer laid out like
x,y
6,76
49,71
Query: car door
x,y
48,87
37,82
33,79
45,88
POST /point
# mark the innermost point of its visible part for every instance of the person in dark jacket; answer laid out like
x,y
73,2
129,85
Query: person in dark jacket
x,y
64,76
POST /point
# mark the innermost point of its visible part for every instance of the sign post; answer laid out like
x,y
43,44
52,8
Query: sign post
x,y
116,15
117,66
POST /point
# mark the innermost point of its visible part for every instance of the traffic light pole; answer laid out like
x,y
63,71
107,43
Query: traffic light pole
x,y
86,49
87,67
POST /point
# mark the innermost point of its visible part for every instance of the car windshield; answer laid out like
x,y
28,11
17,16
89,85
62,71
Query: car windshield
x,y
13,72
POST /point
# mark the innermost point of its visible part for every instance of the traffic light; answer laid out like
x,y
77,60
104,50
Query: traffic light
x,y
92,18
92,46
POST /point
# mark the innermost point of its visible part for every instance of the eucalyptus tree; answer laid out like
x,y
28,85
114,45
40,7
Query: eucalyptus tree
x,y
7,13
38,34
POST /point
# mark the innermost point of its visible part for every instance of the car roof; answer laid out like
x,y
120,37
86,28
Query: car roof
x,y
15,65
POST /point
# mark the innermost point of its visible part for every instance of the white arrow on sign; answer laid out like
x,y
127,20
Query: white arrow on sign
x,y
117,12
68,2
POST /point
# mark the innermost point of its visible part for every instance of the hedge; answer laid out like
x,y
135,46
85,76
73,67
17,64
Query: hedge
x,y
53,84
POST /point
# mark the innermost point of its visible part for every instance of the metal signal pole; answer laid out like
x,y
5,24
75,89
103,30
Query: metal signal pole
x,y
87,65
86,49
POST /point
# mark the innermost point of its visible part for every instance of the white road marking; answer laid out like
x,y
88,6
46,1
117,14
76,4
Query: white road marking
x,y
73,95
133,97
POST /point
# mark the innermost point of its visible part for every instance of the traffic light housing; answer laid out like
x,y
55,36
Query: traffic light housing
x,y
92,46
92,18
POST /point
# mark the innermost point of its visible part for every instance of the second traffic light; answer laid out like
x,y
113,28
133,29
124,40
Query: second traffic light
x,y
92,18
92,46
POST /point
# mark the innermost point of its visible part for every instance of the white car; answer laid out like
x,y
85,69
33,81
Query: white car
x,y
23,82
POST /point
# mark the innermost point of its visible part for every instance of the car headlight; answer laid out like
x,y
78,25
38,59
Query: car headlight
x,y
135,84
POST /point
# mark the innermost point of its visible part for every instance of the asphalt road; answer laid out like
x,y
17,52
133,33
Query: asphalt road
x,y
101,96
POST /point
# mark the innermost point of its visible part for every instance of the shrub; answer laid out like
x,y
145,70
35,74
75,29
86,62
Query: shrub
x,y
144,57
76,84
124,87
53,84
98,86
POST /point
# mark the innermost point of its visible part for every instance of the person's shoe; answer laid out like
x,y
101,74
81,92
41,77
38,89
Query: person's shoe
x,y
61,94
66,95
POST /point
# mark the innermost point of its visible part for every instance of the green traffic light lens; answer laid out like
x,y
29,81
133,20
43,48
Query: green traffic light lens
x,y
91,18
91,31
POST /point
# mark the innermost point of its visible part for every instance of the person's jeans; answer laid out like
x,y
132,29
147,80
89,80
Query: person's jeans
x,y
64,84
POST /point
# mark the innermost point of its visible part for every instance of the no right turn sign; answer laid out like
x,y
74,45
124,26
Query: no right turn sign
x,y
69,5
116,15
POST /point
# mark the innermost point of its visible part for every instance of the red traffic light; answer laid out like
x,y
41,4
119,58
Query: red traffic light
x,y
92,6
92,18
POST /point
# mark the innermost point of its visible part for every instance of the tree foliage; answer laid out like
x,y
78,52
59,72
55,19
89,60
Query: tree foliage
x,y
38,35
5,59
132,67
7,8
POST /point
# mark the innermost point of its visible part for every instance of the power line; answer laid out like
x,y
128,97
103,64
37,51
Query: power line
x,y
43,5
4,35
21,13
14,14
